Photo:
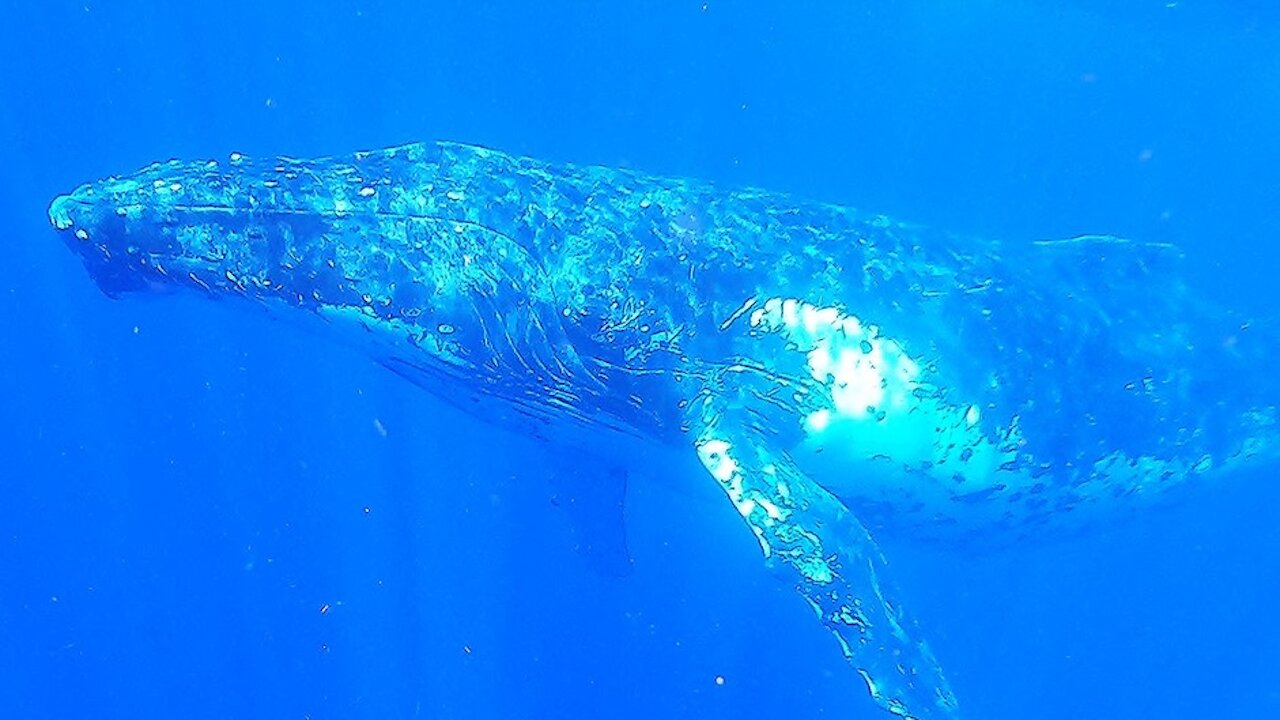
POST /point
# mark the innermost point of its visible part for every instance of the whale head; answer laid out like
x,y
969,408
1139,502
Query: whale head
x,y
429,256
411,240
281,227
125,245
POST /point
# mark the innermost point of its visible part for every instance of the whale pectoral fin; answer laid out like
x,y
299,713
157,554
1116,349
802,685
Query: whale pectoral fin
x,y
594,501
809,538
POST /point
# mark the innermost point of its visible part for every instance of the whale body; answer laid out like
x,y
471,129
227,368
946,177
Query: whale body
x,y
837,373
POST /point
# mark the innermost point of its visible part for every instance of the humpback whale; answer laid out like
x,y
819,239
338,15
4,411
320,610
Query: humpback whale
x,y
838,374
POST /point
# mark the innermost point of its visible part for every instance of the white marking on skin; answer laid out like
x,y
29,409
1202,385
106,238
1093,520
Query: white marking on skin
x,y
715,455
770,509
742,309
784,491
790,313
884,424
820,362
817,421
876,411
809,316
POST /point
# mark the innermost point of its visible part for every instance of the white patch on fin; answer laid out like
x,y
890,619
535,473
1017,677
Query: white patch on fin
x,y
715,456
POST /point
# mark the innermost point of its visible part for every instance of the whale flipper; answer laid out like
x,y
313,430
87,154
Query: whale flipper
x,y
812,541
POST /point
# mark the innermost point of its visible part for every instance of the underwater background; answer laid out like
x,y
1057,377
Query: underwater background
x,y
207,514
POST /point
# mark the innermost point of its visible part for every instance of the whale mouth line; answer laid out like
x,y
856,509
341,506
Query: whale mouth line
x,y
61,218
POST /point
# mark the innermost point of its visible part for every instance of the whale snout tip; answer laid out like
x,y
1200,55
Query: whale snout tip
x,y
60,212
72,215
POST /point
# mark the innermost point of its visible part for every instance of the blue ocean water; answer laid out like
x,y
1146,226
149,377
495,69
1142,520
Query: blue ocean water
x,y
207,514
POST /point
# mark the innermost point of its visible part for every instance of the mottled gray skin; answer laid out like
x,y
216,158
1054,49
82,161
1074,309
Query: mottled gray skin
x,y
580,300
